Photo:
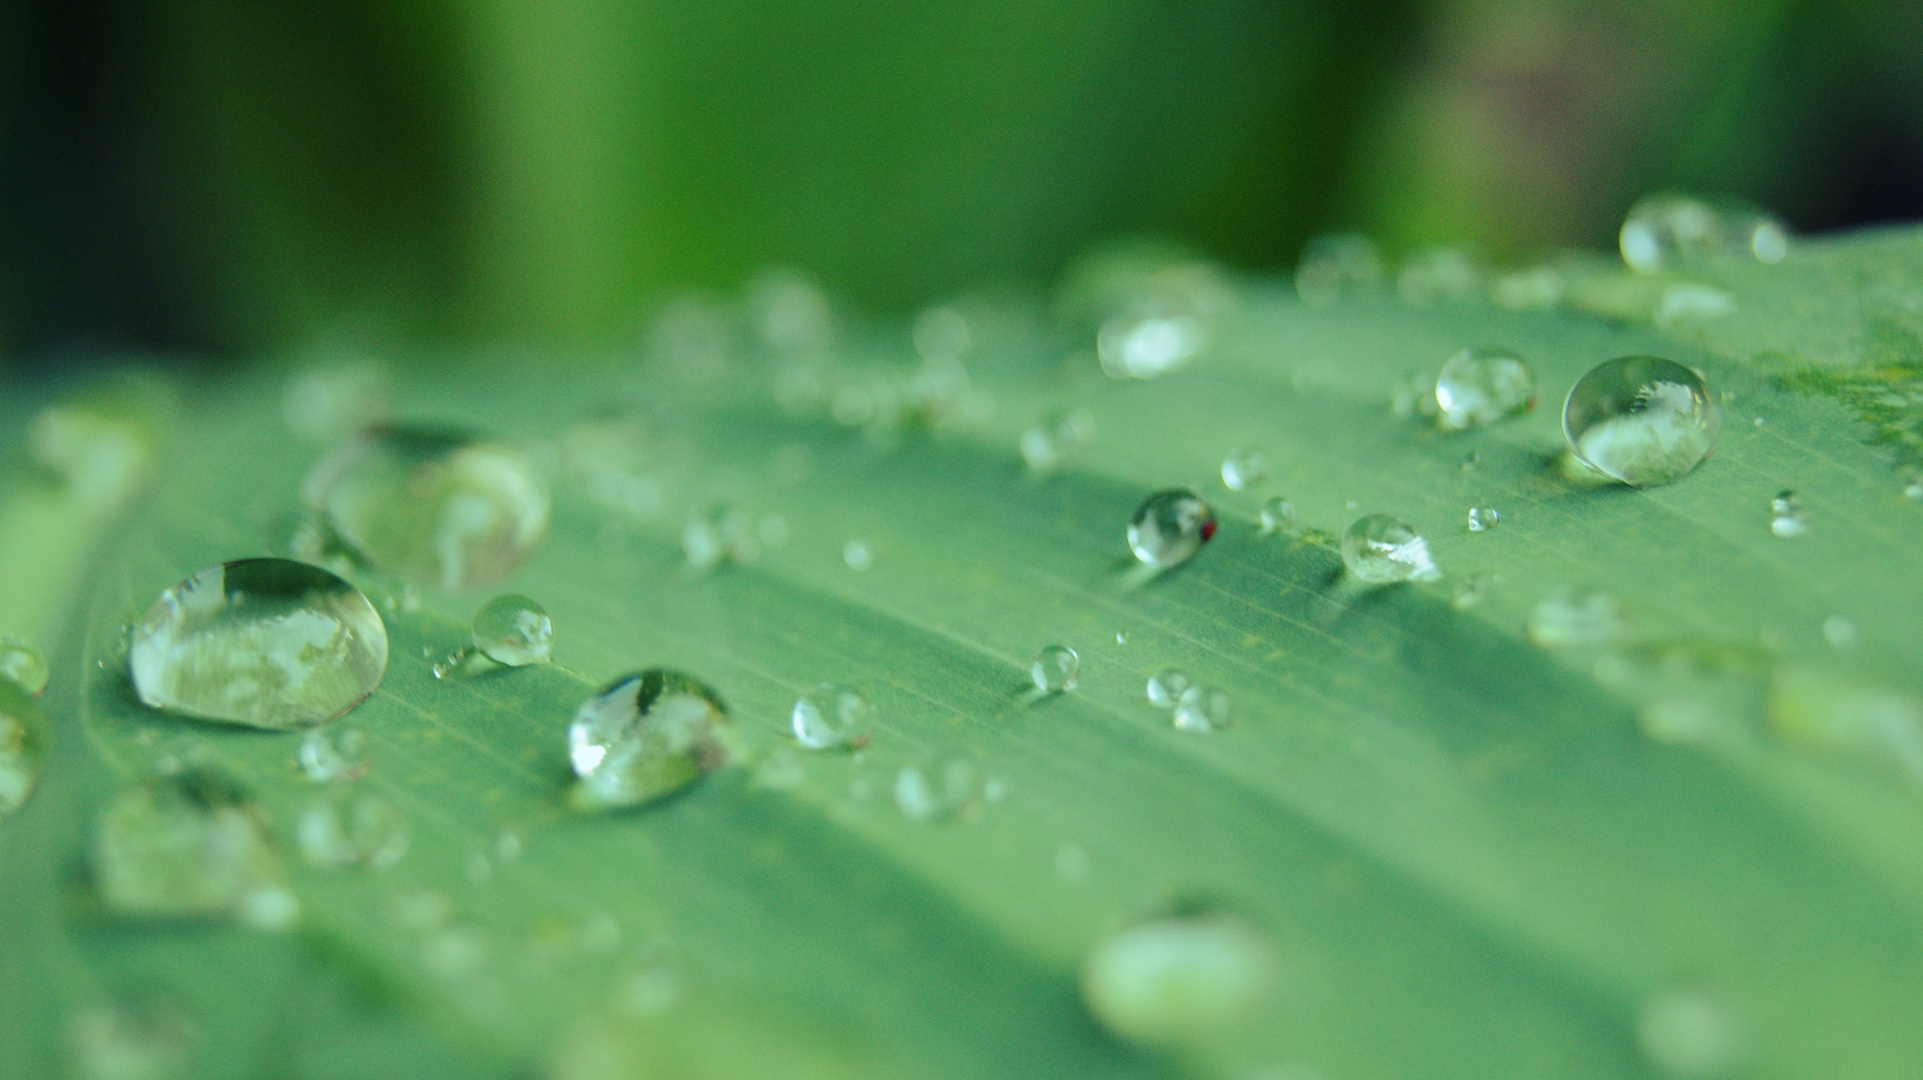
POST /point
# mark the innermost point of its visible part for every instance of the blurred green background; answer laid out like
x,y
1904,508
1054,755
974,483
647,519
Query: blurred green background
x,y
222,177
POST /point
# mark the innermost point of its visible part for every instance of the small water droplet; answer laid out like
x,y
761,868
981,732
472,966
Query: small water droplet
x,y
1278,515
1057,669
645,736
183,846
333,752
1669,230
1166,687
1380,549
1758,422
22,663
337,400
1414,393
787,309
1123,637
721,534
1686,302
1689,1034
269,643
1203,709
1051,441
773,531
1448,275
1532,289
1914,489
22,746
1172,980
1576,617
420,910
1483,518
940,333
1679,720
1840,633
1481,385
944,789
1170,527
1072,863
1642,420
857,555
438,507
1786,517
1336,265
515,631
1243,468
1472,590
351,830
455,662
144,1039
831,716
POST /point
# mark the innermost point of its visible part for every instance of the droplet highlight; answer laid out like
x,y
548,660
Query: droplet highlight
x,y
1666,231
1481,385
831,716
645,736
1166,687
1642,420
1170,527
515,631
1786,517
1057,669
1380,549
1203,709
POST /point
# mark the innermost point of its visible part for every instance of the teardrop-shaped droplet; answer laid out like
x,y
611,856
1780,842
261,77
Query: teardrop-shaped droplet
x,y
1642,420
22,745
1481,385
438,507
1056,669
1170,527
21,663
515,631
1173,980
829,716
270,643
189,845
645,736
1379,549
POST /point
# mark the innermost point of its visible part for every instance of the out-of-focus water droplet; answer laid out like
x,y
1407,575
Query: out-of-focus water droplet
x,y
1840,633
1243,468
187,845
1481,385
455,952
722,533
515,631
269,643
788,310
1166,687
1278,514
22,745
1143,347
692,338
1642,420
1679,720
941,333
1057,669
507,845
1786,517
1687,302
1914,489
857,555
1203,709
334,752
1414,393
331,402
1072,863
1380,549
479,867
1051,441
1471,591
944,788
1173,980
1839,711
645,736
1530,289
1337,265
612,459
1483,518
1690,1035
439,507
23,664
1448,275
102,451
143,1039
362,829
1170,527
831,716
1156,313
1668,230
1576,618
773,531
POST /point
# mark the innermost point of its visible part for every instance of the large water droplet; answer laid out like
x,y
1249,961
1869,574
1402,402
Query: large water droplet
x,y
831,715
1203,709
1170,527
1336,265
22,745
1642,420
515,631
1056,669
1481,385
359,830
1055,438
645,736
440,507
1668,230
188,845
1243,469
1166,687
334,752
1173,980
1576,617
1786,517
1380,549
23,664
270,643
942,789
1689,1035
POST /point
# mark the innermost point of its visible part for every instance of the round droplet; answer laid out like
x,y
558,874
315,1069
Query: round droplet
x,y
1668,230
333,752
1336,265
270,643
942,789
831,715
22,745
362,830
183,846
1440,276
857,555
1379,549
720,534
440,507
1056,669
1483,518
23,664
1166,687
1840,632
1055,438
1203,709
1642,420
1170,527
1573,617
336,400
1177,979
1278,515
515,631
1690,1035
1243,469
1481,385
1786,517
647,735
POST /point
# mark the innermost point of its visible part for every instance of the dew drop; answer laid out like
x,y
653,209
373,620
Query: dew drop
x,y
1668,230
23,664
1380,549
1576,617
1055,438
334,401
1243,468
1336,265
22,746
1170,527
439,507
1203,709
1057,669
269,643
857,555
719,535
943,789
831,716
1481,385
187,845
360,830
1176,979
334,752
1278,515
1471,591
515,631
1072,863
1689,1035
1686,302
145,1039
1533,289
1483,518
1914,488
1642,420
1840,633
645,736
1786,517
1446,275
1166,687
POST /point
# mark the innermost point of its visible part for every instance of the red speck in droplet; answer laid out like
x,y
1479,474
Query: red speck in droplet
x,y
1208,530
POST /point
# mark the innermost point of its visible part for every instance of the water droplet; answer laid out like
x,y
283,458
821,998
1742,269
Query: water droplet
x,y
1679,720
1055,438
453,952
184,846
1574,617
1689,1034
1839,632
1336,265
1669,230
1483,518
335,401
479,867
1440,276
147,1039
1172,980
1533,289
440,507
831,716
515,631
358,830
1243,469
945,789
1203,709
1686,302
270,643
1642,420
1914,489
857,556
940,333
788,310
22,663
1786,517
1842,712
1278,515
1057,669
22,746
722,533
645,736
507,846
1481,385
1472,590
1166,687
1159,318
1414,393
773,531
1170,527
334,752
1380,549
1123,637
